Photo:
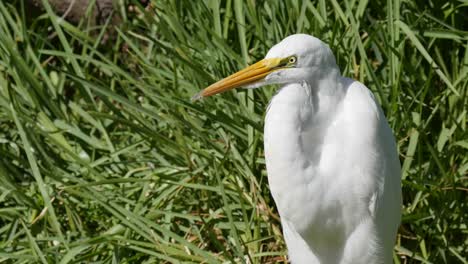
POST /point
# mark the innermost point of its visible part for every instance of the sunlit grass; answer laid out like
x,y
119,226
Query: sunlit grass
x,y
103,157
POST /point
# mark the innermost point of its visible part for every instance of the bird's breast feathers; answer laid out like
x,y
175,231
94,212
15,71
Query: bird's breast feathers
x,y
325,173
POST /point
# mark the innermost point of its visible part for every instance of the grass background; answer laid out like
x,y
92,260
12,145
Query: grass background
x,y
104,159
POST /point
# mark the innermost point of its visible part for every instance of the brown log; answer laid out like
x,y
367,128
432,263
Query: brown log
x,y
75,10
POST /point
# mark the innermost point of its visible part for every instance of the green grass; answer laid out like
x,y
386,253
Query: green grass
x,y
104,158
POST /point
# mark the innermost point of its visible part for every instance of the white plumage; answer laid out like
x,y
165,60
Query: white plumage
x,y
331,157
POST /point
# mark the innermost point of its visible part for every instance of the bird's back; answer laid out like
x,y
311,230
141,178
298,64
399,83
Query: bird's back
x,y
334,173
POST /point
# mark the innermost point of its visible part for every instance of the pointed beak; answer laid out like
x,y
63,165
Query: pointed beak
x,y
249,75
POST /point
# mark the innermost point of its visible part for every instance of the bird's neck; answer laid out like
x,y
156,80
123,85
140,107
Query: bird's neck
x,y
299,109
326,93
310,102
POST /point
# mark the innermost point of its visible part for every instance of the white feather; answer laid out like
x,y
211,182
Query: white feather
x,y
332,161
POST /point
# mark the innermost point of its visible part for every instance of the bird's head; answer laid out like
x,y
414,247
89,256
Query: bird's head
x,y
296,58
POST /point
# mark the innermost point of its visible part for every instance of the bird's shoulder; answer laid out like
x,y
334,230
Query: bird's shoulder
x,y
359,100
362,115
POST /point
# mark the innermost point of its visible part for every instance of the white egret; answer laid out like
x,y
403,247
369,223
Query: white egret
x,y
331,157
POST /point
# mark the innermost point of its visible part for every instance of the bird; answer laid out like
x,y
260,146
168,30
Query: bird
x,y
331,156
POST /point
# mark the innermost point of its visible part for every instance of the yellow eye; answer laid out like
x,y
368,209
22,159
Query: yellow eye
x,y
292,60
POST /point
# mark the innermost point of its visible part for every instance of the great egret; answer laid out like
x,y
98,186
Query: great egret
x,y
331,157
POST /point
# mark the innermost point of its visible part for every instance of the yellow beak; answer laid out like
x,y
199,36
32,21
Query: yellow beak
x,y
241,78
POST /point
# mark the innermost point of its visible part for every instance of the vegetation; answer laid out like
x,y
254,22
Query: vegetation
x,y
104,158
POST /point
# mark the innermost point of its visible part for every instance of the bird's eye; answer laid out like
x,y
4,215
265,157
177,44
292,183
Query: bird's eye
x,y
292,60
